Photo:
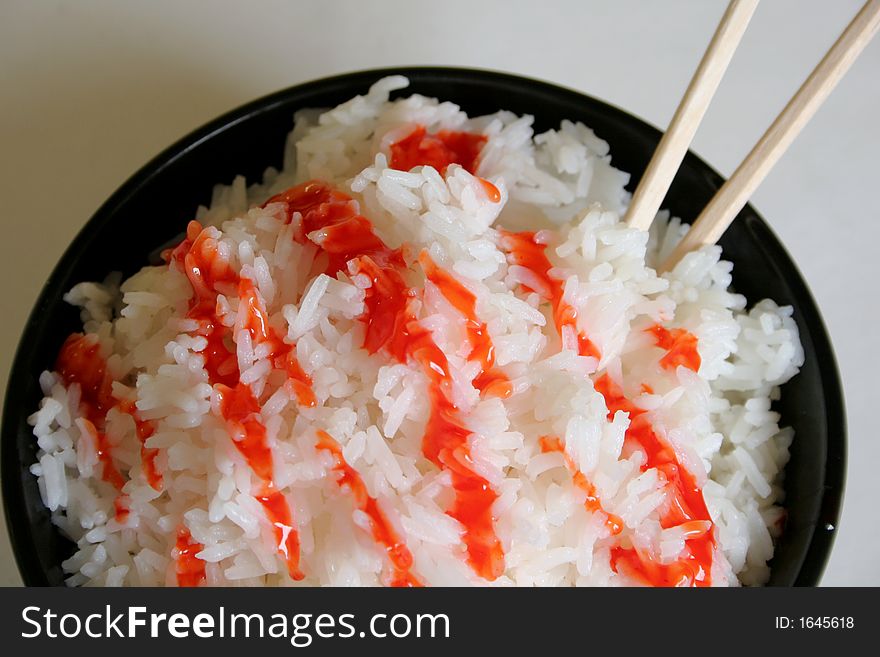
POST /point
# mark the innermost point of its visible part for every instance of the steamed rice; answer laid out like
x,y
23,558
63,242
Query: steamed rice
x,y
718,420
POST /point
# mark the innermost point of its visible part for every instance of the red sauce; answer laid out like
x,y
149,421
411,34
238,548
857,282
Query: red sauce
x,y
445,444
352,237
109,472
680,346
331,220
287,538
438,150
524,251
490,380
240,408
80,361
299,380
198,258
383,532
387,311
210,274
190,569
491,190
256,321
144,429
687,504
645,568
317,202
121,511
592,502
220,361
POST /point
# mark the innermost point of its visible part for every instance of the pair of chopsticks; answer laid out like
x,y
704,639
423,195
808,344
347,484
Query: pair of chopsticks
x,y
734,194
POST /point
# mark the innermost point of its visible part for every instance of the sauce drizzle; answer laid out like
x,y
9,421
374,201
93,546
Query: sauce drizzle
x,y
490,380
687,508
190,569
256,321
592,502
210,274
80,361
240,408
445,444
524,251
383,532
491,190
121,511
144,429
680,346
438,150
331,220
197,257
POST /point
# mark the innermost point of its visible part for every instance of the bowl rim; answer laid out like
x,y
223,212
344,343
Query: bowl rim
x,y
17,521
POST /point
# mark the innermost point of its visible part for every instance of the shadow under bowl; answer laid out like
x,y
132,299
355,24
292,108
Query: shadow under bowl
x,y
156,203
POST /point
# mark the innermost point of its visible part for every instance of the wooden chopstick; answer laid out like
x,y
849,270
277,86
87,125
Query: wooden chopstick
x,y
734,194
677,138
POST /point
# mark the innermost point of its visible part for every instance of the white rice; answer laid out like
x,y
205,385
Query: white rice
x,y
718,420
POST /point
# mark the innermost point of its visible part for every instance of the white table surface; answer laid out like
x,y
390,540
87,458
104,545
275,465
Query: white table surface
x,y
93,89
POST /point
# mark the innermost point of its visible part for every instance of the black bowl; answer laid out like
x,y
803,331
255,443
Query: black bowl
x,y
155,204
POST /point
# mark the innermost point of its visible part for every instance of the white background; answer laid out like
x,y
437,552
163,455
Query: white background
x,y
92,89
